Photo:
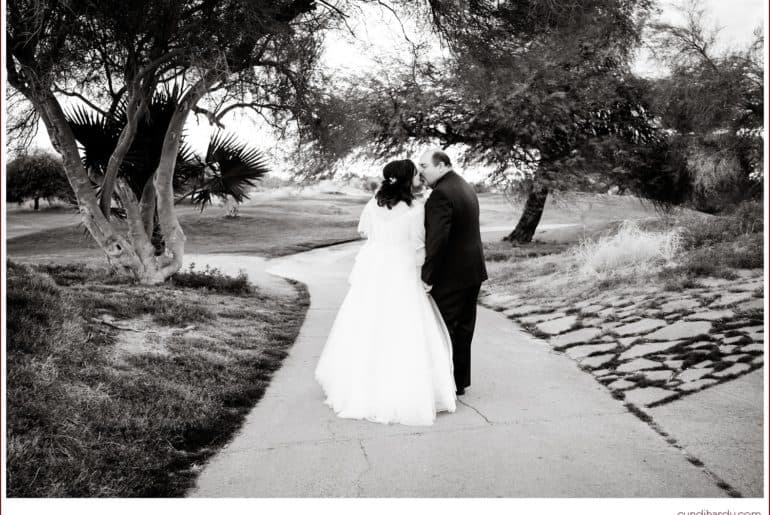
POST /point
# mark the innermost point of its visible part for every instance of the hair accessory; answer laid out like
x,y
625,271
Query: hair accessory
x,y
391,180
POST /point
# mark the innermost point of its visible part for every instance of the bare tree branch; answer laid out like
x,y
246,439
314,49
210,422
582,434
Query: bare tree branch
x,y
211,117
340,14
77,95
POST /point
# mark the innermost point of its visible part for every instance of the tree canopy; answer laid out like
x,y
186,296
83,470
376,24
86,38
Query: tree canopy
x,y
713,102
114,55
541,90
34,176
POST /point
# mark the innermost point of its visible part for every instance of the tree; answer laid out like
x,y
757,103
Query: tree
x,y
225,171
35,176
112,53
539,89
714,103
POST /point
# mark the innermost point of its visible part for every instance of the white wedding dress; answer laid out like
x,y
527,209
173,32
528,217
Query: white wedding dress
x,y
388,357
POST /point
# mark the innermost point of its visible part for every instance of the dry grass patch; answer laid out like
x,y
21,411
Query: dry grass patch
x,y
630,251
669,253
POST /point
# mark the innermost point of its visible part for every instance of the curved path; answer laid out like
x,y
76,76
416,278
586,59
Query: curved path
x,y
531,425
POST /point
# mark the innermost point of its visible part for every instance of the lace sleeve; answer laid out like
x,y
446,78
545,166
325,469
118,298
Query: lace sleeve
x,y
365,222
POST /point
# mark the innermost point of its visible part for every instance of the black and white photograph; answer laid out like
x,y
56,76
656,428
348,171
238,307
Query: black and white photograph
x,y
508,253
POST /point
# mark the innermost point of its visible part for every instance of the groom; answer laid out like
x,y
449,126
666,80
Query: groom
x,y
454,259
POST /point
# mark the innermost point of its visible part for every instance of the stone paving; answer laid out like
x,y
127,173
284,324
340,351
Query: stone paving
x,y
648,346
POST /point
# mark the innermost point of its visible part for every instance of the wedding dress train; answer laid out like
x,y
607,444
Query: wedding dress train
x,y
388,357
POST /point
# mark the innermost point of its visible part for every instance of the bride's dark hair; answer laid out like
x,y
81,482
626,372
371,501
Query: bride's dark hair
x,y
396,184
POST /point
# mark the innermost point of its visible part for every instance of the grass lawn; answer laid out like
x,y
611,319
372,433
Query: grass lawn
x,y
121,390
271,225
564,208
270,228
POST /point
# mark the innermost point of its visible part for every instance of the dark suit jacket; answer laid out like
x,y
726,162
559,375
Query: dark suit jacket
x,y
454,256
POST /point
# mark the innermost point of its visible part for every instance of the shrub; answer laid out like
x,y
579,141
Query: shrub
x,y
494,255
630,250
749,217
675,279
213,279
706,262
67,274
717,243
704,233
659,172
721,177
745,252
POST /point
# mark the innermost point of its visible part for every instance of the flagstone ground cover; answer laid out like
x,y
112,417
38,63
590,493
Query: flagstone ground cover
x,y
649,338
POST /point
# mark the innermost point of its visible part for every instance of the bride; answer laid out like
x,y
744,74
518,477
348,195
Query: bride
x,y
388,357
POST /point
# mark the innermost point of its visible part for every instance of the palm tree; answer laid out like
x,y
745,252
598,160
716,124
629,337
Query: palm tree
x,y
226,171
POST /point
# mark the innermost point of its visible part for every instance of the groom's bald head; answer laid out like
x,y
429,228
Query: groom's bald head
x,y
434,163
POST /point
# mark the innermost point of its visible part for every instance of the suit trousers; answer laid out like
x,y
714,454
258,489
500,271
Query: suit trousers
x,y
458,308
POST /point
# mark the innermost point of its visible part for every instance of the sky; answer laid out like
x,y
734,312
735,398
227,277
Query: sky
x,y
379,35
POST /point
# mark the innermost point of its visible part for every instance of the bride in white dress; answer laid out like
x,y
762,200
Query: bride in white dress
x,y
388,357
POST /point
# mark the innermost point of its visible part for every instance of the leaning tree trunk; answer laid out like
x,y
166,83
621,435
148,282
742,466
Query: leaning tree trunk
x,y
139,93
132,252
530,218
119,251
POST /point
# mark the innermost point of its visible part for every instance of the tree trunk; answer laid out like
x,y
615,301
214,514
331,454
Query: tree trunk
x,y
147,206
171,260
37,203
149,212
133,253
120,253
150,271
134,110
530,218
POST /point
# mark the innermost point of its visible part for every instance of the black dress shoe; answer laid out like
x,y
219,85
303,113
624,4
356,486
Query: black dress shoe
x,y
460,391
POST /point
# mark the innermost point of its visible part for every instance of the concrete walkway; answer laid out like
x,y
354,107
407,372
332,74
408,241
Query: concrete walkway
x,y
531,425
723,427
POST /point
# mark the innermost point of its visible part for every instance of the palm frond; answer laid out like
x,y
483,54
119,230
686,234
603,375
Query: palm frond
x,y
143,156
97,135
228,169
190,171
231,168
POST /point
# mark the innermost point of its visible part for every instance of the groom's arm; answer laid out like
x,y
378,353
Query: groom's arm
x,y
438,222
